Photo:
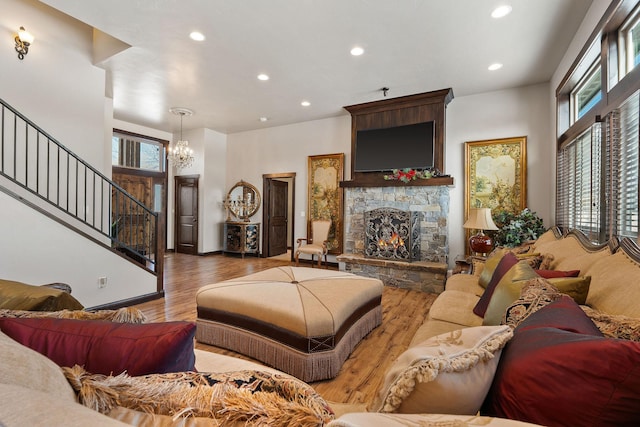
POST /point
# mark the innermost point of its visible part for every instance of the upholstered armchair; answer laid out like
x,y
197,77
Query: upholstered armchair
x,y
316,245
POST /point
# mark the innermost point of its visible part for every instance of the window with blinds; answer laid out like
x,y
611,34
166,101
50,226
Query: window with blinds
x,y
579,183
625,208
132,151
599,203
599,130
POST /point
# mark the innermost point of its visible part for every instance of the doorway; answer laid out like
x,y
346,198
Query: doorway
x,y
130,225
186,225
277,214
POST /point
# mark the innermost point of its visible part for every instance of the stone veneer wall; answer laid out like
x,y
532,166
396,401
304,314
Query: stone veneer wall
x,y
432,202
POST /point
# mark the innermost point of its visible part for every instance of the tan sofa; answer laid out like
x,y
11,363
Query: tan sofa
x,y
613,268
611,310
46,397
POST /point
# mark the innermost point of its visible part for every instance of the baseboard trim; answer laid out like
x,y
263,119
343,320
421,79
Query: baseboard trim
x,y
128,302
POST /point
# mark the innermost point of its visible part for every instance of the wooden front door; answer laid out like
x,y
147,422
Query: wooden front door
x,y
186,229
131,226
278,207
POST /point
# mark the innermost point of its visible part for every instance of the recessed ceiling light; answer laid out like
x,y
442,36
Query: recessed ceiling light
x,y
263,77
501,11
495,66
264,119
357,51
197,36
305,103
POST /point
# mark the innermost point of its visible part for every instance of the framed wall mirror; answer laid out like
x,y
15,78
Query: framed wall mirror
x,y
243,201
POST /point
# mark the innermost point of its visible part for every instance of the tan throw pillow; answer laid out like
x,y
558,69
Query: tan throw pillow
x,y
477,265
547,259
449,373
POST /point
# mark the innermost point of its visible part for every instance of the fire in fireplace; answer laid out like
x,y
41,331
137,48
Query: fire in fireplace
x,y
392,234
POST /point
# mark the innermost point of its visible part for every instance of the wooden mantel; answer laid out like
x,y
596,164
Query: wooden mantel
x,y
376,180
404,110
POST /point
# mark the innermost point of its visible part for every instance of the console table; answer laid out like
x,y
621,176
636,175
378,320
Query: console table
x,y
242,237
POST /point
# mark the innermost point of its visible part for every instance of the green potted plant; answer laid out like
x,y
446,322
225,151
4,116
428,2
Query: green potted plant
x,y
516,229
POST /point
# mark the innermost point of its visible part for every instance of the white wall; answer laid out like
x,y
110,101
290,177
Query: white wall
x,y
209,150
213,190
141,130
285,149
38,250
58,88
502,114
55,85
515,112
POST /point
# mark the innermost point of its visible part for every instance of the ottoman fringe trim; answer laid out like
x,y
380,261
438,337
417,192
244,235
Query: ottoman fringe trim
x,y
308,367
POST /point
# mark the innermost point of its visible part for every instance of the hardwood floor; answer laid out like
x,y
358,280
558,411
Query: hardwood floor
x,y
361,375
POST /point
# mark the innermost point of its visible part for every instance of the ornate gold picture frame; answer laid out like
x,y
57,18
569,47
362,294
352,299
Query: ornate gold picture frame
x,y
496,175
325,195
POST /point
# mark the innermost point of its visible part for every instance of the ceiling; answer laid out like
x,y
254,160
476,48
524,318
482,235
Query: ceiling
x,y
411,46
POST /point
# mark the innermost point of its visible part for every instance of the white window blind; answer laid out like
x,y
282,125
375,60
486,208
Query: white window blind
x,y
625,207
579,183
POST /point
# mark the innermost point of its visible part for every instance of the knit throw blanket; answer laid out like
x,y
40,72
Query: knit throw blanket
x,y
253,397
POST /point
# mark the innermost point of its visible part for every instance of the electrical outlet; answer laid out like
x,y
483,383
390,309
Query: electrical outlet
x,y
102,282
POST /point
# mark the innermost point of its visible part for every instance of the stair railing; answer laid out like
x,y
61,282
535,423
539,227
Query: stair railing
x,y
38,163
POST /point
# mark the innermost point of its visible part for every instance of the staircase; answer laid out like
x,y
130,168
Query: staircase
x,y
43,173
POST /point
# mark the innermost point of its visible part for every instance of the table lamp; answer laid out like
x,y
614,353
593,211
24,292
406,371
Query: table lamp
x,y
480,219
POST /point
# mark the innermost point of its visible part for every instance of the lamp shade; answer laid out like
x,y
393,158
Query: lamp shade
x,y
480,219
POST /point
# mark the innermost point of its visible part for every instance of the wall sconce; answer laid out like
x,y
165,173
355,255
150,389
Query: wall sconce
x,y
23,41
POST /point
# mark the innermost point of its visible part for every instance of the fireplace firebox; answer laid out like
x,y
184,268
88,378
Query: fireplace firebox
x,y
392,234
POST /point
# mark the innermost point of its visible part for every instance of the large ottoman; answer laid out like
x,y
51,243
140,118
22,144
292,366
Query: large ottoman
x,y
300,320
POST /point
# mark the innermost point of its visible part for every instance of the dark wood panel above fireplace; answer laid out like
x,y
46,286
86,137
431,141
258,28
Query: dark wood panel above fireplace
x,y
406,110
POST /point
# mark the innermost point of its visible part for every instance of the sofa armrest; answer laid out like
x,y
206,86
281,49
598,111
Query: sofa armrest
x,y
59,286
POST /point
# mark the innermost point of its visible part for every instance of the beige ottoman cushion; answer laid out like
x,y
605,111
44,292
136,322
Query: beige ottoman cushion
x,y
300,320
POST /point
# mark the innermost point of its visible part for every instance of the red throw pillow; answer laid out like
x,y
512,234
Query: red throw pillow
x,y
507,261
552,274
108,348
564,314
555,377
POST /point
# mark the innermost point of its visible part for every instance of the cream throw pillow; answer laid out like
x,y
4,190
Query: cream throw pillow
x,y
27,368
448,374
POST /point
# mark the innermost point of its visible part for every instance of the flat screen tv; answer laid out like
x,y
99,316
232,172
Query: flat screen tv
x,y
399,147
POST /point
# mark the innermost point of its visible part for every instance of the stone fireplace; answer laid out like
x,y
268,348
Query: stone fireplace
x,y
426,232
416,259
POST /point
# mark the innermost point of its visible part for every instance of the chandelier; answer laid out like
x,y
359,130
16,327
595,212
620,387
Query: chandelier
x,y
180,155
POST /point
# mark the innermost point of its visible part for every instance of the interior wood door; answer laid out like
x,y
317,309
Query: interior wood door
x,y
277,206
131,226
186,229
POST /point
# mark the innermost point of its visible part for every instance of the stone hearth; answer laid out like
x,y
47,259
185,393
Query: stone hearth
x,y
431,203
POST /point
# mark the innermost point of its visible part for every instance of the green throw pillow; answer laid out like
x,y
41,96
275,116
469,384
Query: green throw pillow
x,y
576,287
490,266
510,287
507,291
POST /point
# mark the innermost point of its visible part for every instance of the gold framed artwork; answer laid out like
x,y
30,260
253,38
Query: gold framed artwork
x,y
496,175
325,195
